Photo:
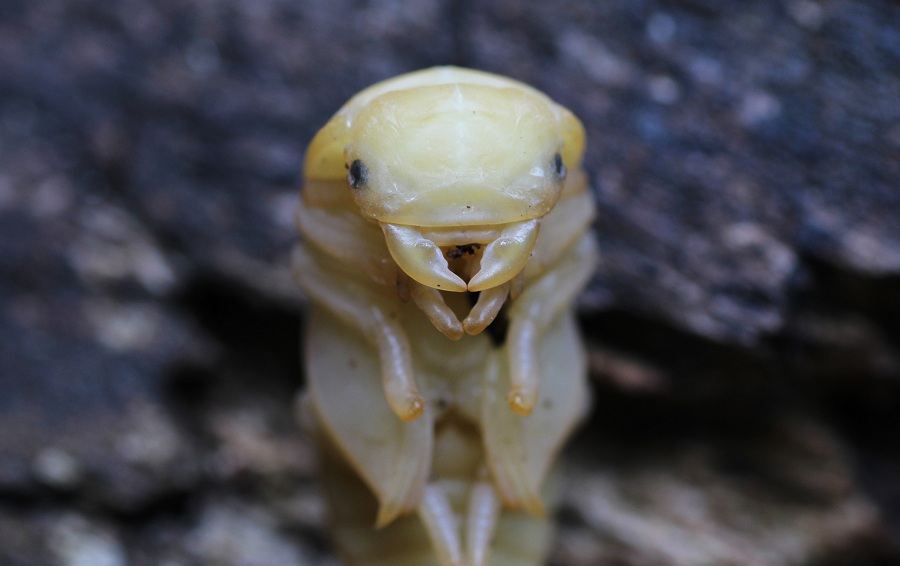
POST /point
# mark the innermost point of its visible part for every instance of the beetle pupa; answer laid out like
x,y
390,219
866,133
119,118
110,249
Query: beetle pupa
x,y
445,219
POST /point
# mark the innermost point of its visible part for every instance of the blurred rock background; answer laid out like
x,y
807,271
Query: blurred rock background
x,y
744,324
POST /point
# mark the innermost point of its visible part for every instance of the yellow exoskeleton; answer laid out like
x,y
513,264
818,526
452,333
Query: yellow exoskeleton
x,y
445,220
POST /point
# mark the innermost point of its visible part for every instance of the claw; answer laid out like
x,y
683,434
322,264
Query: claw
x,y
506,256
420,258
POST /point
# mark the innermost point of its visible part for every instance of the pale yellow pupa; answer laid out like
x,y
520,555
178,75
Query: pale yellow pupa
x,y
445,220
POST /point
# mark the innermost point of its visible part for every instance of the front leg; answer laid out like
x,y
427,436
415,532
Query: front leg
x,y
545,347
542,301
373,311
358,428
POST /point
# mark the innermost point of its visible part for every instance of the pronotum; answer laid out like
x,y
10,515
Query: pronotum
x,y
445,220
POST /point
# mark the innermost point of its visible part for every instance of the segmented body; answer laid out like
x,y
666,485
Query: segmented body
x,y
445,220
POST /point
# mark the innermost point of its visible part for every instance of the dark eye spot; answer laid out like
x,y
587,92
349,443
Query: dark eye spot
x,y
357,174
559,167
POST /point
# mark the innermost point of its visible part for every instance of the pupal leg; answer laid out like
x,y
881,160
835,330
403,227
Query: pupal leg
x,y
535,309
482,516
396,366
505,442
357,305
440,522
430,301
392,457
490,301
520,451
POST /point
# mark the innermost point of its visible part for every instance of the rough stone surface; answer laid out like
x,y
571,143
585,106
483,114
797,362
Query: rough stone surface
x,y
743,324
